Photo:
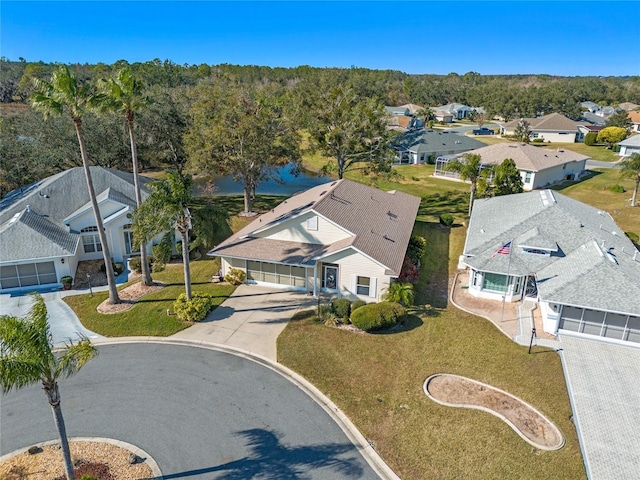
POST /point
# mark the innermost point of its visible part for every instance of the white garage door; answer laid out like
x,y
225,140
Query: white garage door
x,y
27,275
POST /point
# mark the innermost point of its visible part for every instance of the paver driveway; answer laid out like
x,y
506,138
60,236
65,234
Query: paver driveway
x,y
200,413
604,385
250,319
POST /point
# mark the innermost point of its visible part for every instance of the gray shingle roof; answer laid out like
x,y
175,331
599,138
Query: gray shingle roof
x,y
528,157
381,222
435,142
593,118
631,141
45,238
546,218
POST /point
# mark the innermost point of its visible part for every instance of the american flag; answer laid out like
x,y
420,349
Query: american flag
x,y
503,250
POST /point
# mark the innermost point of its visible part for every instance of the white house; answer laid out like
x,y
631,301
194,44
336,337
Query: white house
x,y
457,110
570,258
341,237
46,228
630,146
538,167
550,128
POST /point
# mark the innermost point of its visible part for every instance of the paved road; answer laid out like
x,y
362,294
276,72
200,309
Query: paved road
x,y
201,414
604,386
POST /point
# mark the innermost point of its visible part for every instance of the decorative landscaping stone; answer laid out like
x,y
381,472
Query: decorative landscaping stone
x,y
133,459
33,450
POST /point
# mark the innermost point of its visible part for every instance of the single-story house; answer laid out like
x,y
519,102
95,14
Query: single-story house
x,y
341,237
403,117
47,227
424,145
587,128
538,167
442,116
593,119
570,258
628,106
553,127
457,110
606,111
630,146
634,116
590,107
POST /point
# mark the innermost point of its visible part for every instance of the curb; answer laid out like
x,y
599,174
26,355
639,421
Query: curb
x,y
148,459
364,448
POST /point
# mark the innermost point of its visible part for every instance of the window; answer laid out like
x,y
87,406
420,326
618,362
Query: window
x,y
91,241
495,282
312,223
363,285
527,177
128,239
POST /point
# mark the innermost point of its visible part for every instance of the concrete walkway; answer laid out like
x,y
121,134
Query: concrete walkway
x,y
603,380
250,319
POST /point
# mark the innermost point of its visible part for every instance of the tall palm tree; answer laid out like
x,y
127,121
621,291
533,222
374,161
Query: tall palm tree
x,y
123,94
27,356
167,208
64,95
471,169
630,168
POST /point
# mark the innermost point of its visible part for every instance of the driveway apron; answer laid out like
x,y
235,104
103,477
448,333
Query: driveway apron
x,y
250,319
604,385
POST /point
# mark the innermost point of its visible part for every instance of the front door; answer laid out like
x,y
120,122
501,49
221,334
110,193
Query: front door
x,y
330,277
531,289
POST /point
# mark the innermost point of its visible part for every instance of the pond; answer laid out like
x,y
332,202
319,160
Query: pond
x,y
291,183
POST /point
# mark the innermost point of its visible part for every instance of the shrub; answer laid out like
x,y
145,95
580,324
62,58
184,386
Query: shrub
x,y
416,249
135,263
324,311
590,138
401,293
537,140
410,272
617,189
235,276
446,219
341,307
118,268
377,316
192,310
357,304
66,280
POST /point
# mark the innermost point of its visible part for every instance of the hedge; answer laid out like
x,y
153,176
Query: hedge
x,y
341,307
377,316
192,310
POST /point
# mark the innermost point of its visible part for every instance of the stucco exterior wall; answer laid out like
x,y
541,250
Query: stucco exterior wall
x,y
555,174
562,137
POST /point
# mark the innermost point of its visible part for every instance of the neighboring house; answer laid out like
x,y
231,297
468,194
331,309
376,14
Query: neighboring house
x,y
606,111
424,145
630,146
570,258
538,167
628,106
457,110
47,227
553,127
634,116
587,128
442,116
591,107
593,119
403,118
341,238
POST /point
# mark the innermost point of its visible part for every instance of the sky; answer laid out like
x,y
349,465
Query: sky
x,y
572,38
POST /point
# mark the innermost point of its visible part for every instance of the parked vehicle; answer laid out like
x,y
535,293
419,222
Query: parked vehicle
x,y
483,131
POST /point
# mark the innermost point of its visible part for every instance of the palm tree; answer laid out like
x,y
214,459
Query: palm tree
x,y
630,168
64,95
470,169
123,94
399,292
167,208
27,357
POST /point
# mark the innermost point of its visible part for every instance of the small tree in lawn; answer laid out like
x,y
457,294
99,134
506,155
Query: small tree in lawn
x,y
630,168
480,118
471,169
401,293
506,180
27,356
620,119
611,135
523,131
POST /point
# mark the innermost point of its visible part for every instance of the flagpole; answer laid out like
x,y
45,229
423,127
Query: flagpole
x,y
504,297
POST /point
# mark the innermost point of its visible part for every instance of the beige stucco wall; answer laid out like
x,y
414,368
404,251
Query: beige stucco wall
x,y
562,137
556,174
295,230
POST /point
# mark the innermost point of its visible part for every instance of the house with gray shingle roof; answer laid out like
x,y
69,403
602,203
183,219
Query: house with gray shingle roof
x,y
553,127
630,146
538,166
48,227
424,145
568,257
341,237
457,110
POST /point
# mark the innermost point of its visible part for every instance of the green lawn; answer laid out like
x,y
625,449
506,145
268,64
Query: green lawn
x,y
377,381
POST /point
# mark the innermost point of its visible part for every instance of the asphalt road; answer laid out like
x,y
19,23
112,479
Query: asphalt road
x,y
201,414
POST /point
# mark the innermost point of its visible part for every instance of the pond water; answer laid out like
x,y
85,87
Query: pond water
x,y
291,183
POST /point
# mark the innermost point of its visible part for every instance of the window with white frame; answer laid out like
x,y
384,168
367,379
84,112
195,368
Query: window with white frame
x,y
363,285
91,240
527,177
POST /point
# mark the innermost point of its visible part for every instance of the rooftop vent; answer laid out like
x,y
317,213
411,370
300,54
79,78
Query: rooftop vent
x,y
391,214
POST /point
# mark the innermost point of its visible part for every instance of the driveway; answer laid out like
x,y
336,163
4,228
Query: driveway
x,y
251,319
604,387
200,413
63,322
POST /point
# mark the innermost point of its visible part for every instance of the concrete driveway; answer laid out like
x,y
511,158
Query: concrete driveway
x,y
63,322
603,380
251,319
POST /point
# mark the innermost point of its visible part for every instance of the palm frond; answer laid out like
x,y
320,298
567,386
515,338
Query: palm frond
x,y
74,356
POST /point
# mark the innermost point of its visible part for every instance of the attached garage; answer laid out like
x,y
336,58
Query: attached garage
x,y
601,324
27,275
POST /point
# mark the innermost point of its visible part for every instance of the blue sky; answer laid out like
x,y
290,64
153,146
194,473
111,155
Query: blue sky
x,y
507,37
